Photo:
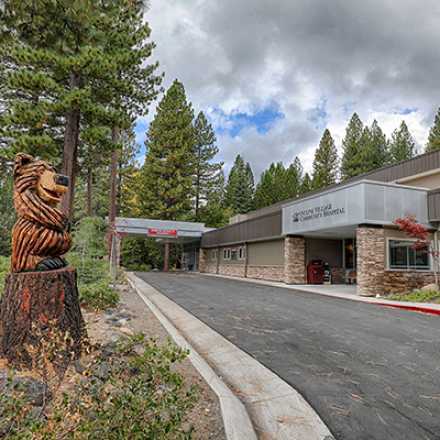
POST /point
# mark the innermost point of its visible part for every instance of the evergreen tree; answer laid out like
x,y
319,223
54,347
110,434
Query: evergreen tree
x,y
294,178
240,187
166,178
214,213
434,135
71,68
402,145
306,184
325,164
376,152
278,183
206,172
7,217
351,163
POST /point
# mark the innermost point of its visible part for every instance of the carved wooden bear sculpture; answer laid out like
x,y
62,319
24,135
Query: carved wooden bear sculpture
x,y
40,236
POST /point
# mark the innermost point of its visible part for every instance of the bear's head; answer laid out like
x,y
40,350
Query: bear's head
x,y
39,176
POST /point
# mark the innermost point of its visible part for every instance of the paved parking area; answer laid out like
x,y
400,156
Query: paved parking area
x,y
370,372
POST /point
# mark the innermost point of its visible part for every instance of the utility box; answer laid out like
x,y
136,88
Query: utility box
x,y
315,272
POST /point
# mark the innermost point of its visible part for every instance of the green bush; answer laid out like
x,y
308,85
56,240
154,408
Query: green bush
x,y
98,296
89,237
431,296
4,269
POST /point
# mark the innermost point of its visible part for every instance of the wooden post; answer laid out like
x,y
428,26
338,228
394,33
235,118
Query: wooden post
x,y
166,258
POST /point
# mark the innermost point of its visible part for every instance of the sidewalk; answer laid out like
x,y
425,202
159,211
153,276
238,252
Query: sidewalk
x,y
342,293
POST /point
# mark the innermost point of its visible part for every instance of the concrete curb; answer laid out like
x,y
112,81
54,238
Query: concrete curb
x,y
429,308
277,410
236,421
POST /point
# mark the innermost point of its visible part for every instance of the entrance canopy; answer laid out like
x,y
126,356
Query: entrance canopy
x,y
337,212
163,230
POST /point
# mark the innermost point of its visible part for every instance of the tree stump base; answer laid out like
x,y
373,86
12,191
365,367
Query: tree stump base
x,y
38,300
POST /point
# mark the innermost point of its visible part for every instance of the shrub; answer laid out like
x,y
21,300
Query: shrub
x,y
129,390
4,269
89,237
432,296
98,296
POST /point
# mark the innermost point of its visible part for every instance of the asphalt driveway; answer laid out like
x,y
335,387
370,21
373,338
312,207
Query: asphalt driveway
x,y
370,372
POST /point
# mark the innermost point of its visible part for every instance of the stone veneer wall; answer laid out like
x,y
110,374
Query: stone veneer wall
x,y
403,281
233,270
203,260
370,260
294,260
270,273
211,267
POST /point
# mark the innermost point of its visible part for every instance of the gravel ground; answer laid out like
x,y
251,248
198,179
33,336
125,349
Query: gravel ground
x,y
133,316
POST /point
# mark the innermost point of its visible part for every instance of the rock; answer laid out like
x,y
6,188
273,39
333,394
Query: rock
x,y
102,371
430,287
35,391
79,367
126,331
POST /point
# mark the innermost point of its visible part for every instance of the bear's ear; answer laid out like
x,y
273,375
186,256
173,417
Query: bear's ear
x,y
21,159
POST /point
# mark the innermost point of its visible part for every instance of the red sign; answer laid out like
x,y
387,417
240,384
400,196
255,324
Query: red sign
x,y
155,232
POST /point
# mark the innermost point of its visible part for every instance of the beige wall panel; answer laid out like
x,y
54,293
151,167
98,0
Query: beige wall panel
x,y
266,253
432,181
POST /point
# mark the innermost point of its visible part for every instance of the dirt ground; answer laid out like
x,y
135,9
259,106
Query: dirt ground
x,y
133,316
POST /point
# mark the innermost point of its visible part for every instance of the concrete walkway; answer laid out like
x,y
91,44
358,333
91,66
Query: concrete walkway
x,y
370,372
343,292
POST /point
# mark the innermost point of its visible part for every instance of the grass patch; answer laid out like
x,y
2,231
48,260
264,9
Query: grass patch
x,y
429,296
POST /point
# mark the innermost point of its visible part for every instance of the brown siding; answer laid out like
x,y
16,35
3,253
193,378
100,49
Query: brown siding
x,y
258,228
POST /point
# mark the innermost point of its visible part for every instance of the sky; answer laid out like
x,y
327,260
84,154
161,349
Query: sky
x,y
271,75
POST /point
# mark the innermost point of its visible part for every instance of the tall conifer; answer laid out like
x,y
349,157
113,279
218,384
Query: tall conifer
x,y
240,187
402,146
206,172
167,174
351,163
325,164
434,135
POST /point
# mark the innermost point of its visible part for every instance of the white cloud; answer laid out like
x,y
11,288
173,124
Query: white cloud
x,y
375,57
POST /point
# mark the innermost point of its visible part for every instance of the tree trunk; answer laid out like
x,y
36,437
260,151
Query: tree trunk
x,y
89,191
70,149
38,300
166,258
113,186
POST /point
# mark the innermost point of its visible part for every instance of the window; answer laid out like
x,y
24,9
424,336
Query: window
x,y
226,254
213,255
241,253
234,254
402,255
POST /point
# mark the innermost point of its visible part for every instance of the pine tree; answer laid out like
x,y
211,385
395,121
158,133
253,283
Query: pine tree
x,y
325,164
351,163
206,172
214,213
240,187
7,217
69,70
402,146
376,152
166,182
278,183
306,184
434,135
